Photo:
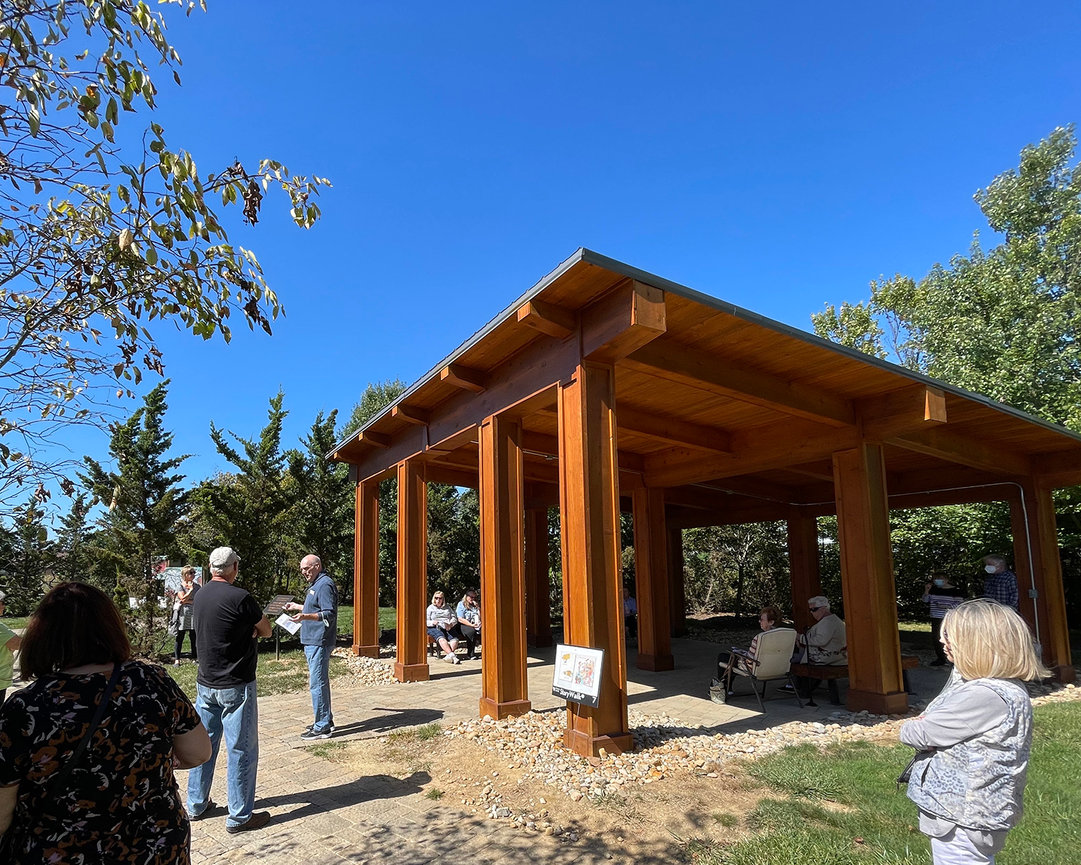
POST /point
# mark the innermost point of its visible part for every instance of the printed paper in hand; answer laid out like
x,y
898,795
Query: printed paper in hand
x,y
288,624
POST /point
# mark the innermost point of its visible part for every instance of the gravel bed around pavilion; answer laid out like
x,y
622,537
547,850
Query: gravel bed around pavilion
x,y
665,747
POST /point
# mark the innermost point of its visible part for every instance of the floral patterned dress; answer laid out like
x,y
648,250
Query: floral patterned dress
x,y
120,804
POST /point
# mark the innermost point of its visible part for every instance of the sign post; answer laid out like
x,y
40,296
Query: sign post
x,y
274,609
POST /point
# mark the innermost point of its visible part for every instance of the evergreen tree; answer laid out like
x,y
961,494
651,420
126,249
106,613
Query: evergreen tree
x,y
144,503
28,557
322,515
248,509
73,543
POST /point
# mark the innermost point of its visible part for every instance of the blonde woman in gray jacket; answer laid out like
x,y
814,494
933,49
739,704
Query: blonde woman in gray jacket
x,y
974,737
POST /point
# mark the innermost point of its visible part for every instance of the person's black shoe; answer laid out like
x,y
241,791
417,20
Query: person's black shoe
x,y
206,812
256,821
311,735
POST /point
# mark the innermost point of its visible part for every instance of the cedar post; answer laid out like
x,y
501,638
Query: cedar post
x,y
677,587
803,565
651,578
589,515
366,571
874,649
538,596
1033,519
412,662
503,661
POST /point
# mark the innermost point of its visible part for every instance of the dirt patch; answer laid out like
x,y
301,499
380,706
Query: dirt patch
x,y
645,824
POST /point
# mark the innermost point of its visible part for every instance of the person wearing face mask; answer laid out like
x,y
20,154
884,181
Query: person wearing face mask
x,y
1000,584
943,596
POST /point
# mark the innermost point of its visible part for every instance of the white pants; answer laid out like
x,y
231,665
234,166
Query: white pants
x,y
957,848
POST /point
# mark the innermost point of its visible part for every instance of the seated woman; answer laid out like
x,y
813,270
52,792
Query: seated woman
x,y
441,621
468,627
768,619
825,643
115,799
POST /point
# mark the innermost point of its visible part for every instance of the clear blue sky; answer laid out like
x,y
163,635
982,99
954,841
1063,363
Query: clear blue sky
x,y
778,156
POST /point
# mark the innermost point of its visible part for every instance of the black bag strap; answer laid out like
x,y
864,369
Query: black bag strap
x,y
95,722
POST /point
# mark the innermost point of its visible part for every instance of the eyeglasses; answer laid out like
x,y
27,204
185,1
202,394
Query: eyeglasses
x,y
814,609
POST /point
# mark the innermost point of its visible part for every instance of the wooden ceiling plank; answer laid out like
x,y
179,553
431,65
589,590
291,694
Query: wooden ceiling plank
x,y
622,322
709,372
1058,469
473,380
547,318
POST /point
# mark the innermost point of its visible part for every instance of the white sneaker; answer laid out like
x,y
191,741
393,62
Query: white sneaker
x,y
451,658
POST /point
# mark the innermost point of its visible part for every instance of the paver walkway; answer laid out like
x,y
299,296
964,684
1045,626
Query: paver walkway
x,y
321,813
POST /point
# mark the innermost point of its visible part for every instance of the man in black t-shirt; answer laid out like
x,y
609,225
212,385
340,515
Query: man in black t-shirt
x,y
227,623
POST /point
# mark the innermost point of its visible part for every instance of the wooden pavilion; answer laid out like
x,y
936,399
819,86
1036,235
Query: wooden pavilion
x,y
605,387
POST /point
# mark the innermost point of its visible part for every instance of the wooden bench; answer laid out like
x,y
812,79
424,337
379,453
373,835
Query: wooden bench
x,y
830,674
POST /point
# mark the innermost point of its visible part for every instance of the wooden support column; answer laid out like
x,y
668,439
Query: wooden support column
x,y
412,662
366,571
504,689
651,578
874,649
1035,532
803,565
538,605
589,520
677,586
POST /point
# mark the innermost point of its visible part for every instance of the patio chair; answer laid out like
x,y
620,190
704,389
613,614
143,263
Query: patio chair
x,y
773,657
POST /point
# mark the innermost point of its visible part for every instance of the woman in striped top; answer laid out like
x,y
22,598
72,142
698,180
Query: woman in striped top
x,y
942,596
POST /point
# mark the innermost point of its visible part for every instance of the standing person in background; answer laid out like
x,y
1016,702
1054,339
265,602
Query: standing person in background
x,y
185,613
973,739
468,627
318,619
228,622
942,596
1000,584
9,645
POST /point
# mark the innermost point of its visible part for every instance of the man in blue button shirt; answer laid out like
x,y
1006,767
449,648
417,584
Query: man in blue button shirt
x,y
318,619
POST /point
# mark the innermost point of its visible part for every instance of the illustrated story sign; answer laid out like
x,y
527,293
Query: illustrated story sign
x,y
577,676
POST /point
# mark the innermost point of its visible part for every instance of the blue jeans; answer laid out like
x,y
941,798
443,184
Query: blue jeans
x,y
234,712
319,683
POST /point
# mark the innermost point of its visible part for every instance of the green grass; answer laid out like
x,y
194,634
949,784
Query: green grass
x,y
841,806
287,675
416,734
434,794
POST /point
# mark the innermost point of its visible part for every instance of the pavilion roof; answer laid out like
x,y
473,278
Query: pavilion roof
x,y
729,410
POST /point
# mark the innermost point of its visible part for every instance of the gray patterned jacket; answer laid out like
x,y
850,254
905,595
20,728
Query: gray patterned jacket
x,y
981,732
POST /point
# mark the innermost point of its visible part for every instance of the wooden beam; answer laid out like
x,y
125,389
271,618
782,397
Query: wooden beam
x,y
874,649
622,321
674,362
908,410
1035,535
530,371
819,470
592,588
366,571
410,414
473,380
504,686
651,580
411,664
968,450
538,606
1058,469
547,318
378,439
803,565
774,446
673,430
